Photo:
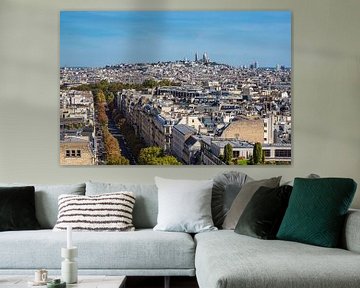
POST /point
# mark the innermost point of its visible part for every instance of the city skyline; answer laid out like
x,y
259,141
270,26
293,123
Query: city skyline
x,y
97,39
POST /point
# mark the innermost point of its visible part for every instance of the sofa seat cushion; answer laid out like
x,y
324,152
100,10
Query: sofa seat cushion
x,y
226,259
142,249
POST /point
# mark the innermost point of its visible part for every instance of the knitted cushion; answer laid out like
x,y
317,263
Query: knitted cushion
x,y
316,211
105,212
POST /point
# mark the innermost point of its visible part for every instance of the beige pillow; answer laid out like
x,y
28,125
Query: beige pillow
x,y
243,198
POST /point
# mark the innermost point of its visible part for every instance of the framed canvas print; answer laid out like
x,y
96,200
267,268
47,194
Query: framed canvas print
x,y
175,88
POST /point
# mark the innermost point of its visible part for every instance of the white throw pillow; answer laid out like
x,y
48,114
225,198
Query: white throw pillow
x,y
184,205
104,212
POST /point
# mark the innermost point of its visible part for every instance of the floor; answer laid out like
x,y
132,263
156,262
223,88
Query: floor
x,y
158,282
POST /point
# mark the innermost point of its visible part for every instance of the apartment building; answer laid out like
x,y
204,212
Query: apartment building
x,y
76,151
245,129
180,133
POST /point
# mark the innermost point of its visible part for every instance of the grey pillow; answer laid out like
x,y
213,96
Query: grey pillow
x,y
184,205
310,176
243,197
226,187
46,200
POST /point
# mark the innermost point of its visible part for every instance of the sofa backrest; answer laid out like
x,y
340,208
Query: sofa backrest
x,y
146,203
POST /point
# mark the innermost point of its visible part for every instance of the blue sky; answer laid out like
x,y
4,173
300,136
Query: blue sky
x,y
96,39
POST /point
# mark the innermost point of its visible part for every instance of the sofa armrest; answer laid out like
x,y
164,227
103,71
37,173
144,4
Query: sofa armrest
x,y
351,234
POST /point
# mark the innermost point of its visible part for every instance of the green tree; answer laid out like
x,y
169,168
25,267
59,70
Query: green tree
x,y
155,156
167,160
112,149
116,160
83,87
110,97
241,162
149,83
228,154
148,154
100,97
165,82
103,85
102,117
257,153
129,133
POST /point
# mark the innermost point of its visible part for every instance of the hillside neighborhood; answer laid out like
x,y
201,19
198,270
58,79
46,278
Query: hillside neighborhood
x,y
191,110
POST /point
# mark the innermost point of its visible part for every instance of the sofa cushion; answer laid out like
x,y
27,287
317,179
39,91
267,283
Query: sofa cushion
x,y
350,239
137,250
317,209
263,215
184,205
225,259
46,200
146,205
225,189
243,198
17,208
105,212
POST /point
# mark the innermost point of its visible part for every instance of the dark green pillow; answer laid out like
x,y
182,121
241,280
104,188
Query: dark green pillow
x,y
17,208
264,212
316,211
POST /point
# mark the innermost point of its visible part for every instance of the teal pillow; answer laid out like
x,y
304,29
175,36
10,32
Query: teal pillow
x,y
316,211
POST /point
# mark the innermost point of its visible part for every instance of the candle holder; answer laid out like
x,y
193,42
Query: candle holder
x,y
69,271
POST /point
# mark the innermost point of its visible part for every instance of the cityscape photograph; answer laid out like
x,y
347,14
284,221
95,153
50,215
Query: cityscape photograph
x,y
175,88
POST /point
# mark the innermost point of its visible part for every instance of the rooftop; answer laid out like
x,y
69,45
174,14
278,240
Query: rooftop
x,y
184,129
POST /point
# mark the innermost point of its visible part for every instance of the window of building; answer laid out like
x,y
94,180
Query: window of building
x,y
266,152
282,153
73,153
236,154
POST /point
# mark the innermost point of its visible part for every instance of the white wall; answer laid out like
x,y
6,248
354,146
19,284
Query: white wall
x,y
326,88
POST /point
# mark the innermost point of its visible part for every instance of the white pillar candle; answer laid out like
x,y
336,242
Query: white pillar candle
x,y
69,237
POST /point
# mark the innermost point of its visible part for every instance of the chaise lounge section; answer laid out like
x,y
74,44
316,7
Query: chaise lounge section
x,y
225,259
